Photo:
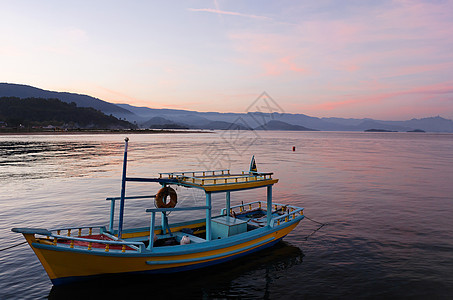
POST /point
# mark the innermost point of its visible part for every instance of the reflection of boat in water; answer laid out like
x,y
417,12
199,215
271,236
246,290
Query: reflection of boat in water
x,y
69,254
251,275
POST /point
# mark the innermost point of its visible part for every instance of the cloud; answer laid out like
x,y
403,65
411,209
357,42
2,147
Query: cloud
x,y
426,93
230,13
422,68
282,65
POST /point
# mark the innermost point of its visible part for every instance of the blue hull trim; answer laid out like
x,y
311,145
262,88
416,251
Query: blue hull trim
x,y
68,280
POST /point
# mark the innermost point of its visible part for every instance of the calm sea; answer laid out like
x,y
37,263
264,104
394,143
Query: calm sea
x,y
386,200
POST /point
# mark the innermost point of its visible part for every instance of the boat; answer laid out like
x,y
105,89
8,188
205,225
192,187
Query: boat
x,y
76,253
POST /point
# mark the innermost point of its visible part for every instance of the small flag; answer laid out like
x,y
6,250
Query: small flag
x,y
253,165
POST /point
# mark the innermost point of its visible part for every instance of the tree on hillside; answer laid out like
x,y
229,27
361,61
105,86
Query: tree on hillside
x,y
42,112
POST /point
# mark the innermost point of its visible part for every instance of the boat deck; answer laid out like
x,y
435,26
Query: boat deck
x,y
241,219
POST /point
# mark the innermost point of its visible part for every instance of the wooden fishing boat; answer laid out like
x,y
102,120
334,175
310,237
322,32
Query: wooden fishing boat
x,y
69,254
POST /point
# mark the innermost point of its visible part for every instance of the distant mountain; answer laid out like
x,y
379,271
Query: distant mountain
x,y
191,118
432,124
345,122
278,125
39,112
25,91
162,123
222,125
309,122
146,111
216,120
157,121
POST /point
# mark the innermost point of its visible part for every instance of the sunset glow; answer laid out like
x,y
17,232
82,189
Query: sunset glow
x,y
355,59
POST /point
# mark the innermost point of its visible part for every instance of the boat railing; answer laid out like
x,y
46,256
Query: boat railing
x,y
290,212
213,177
68,236
226,179
252,205
243,207
203,173
79,229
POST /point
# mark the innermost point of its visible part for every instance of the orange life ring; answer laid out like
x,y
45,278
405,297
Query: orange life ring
x,y
161,197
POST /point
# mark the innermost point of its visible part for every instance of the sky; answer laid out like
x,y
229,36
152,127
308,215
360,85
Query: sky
x,y
387,60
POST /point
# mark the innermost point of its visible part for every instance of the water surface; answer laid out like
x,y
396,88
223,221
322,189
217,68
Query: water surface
x,y
387,199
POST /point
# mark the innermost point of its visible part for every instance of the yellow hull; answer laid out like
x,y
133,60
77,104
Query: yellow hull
x,y
73,264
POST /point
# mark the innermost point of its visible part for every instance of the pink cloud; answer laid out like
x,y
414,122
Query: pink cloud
x,y
423,68
291,65
424,92
257,43
270,54
280,66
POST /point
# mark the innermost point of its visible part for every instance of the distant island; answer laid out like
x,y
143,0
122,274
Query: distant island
x,y
385,130
379,130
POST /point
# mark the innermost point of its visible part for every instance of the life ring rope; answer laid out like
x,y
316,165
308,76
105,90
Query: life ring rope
x,y
161,197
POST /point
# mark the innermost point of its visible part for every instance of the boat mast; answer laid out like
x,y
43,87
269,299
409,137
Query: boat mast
x,y
269,205
123,190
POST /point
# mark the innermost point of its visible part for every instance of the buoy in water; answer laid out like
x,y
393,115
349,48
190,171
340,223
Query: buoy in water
x,y
294,148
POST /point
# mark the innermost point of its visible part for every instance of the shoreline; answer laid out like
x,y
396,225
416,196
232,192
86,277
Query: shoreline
x,y
86,132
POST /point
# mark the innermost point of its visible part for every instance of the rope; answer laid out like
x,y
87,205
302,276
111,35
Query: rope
x,y
314,231
315,221
13,246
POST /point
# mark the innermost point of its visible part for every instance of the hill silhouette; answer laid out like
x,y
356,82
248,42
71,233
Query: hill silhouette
x,y
30,112
162,123
26,91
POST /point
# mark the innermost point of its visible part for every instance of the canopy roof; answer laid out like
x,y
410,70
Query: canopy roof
x,y
220,180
